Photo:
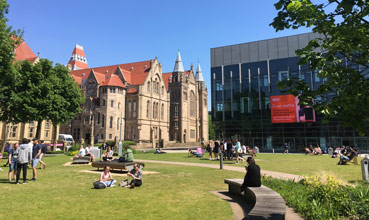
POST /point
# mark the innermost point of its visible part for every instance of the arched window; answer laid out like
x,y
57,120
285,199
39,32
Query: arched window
x,y
111,122
103,121
162,90
129,109
134,109
192,105
148,86
153,110
103,102
148,109
154,88
112,103
98,118
162,112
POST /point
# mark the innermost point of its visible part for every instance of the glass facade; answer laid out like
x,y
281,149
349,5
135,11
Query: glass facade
x,y
241,105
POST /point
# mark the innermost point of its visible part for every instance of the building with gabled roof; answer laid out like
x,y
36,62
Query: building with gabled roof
x,y
131,101
14,133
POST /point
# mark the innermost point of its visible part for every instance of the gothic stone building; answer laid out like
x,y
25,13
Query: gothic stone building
x,y
137,102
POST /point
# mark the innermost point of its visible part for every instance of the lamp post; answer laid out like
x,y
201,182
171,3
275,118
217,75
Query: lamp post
x,y
120,136
92,142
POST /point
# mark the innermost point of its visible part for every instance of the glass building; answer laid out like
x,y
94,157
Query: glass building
x,y
244,77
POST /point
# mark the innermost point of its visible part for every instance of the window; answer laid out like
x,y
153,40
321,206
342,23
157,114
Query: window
x,y
129,109
111,122
118,127
153,110
134,109
13,131
192,133
154,86
155,132
103,121
192,105
98,118
282,75
162,112
103,102
110,136
316,77
47,125
112,90
102,136
31,129
265,80
47,134
148,109
120,90
148,86
162,90
219,107
176,111
219,86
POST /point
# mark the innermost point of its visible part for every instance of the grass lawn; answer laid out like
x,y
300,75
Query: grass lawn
x,y
62,192
305,165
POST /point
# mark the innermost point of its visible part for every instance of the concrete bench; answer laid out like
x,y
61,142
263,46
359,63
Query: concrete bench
x,y
268,204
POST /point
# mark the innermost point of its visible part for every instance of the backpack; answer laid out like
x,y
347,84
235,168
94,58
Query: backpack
x,y
99,185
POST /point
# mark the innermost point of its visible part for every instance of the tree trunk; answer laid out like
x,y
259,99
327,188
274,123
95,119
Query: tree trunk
x,y
38,130
54,136
7,128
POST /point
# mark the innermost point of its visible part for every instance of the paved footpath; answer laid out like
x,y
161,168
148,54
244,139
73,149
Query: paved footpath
x,y
290,214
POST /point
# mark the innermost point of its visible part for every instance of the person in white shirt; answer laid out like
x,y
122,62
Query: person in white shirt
x,y
88,153
81,153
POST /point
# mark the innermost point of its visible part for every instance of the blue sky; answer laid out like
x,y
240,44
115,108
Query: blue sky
x,y
114,32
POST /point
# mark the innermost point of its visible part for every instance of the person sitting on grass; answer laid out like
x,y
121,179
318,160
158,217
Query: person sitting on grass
x,y
81,153
136,174
252,177
107,178
108,155
159,151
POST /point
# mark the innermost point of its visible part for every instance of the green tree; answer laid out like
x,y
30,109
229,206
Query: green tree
x,y
46,92
213,128
9,39
340,56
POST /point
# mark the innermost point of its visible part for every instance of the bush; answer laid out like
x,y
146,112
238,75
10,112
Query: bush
x,y
110,143
5,154
315,198
72,153
99,145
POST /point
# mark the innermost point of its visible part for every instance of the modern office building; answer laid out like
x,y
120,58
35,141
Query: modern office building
x,y
243,80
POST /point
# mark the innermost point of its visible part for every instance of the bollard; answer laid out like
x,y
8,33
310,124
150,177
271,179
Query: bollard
x,y
365,168
273,151
330,151
221,161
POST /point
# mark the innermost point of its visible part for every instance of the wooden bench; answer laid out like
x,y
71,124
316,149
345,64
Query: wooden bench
x,y
268,204
116,165
81,160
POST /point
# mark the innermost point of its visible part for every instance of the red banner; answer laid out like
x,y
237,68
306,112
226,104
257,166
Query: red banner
x,y
283,109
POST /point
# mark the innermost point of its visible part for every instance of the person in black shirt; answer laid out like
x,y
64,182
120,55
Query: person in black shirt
x,y
252,177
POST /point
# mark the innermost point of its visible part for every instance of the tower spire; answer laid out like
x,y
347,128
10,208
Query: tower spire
x,y
78,59
199,77
178,67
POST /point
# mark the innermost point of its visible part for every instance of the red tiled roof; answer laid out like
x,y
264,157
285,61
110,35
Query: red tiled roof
x,y
112,80
23,52
79,52
79,64
166,78
134,73
132,90
77,79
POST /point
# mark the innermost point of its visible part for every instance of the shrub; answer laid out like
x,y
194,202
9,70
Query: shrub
x,y
110,143
72,153
5,154
317,198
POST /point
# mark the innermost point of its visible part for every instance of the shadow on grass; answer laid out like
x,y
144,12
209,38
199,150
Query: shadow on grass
x,y
6,181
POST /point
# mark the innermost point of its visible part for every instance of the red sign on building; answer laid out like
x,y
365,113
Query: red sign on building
x,y
283,109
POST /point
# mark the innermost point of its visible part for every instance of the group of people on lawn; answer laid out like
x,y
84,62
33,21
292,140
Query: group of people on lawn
x,y
229,150
136,174
345,153
20,156
313,150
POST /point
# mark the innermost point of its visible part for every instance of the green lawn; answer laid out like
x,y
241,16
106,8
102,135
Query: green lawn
x,y
305,165
62,192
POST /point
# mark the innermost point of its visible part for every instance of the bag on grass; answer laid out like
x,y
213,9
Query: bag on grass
x,y
99,185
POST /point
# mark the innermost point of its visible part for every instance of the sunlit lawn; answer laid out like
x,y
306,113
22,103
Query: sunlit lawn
x,y
62,192
305,165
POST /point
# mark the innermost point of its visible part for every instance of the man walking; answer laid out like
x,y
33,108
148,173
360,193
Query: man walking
x,y
24,156
36,152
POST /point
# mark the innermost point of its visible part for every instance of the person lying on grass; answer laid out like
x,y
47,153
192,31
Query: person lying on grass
x,y
107,178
